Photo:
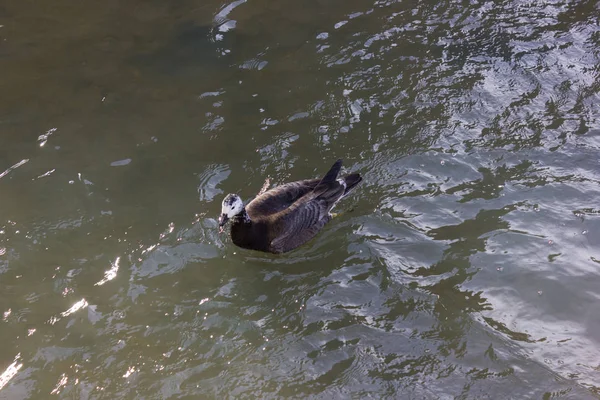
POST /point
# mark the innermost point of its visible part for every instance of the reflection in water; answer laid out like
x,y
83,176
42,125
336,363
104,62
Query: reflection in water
x,y
111,273
210,180
11,168
10,372
466,266
43,139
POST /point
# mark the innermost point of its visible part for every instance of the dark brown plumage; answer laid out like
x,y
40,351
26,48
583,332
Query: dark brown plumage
x,y
289,215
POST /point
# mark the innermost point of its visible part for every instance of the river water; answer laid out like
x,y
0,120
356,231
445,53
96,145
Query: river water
x,y
465,266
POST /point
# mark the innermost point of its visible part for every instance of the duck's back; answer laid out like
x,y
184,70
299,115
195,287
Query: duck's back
x,y
279,198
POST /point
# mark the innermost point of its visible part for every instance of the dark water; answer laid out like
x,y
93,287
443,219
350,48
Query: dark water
x,y
466,266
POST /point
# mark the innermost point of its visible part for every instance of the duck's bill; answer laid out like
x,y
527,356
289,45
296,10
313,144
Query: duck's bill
x,y
222,221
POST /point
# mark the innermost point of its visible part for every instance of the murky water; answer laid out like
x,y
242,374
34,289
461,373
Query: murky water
x,y
467,264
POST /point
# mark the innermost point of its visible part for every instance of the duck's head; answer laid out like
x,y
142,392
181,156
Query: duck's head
x,y
232,205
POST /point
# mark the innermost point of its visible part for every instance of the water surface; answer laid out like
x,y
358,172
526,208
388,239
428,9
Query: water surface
x,y
465,266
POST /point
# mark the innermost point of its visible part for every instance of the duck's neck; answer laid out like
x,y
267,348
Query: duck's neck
x,y
242,218
243,231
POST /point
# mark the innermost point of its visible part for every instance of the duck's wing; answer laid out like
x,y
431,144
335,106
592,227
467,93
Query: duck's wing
x,y
299,225
279,198
302,220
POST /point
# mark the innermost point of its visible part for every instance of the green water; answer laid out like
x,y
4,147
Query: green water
x,y
465,266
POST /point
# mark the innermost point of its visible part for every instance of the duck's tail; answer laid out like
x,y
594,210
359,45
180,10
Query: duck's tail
x,y
329,180
351,181
330,177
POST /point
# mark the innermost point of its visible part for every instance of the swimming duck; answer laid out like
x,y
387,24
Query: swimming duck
x,y
287,216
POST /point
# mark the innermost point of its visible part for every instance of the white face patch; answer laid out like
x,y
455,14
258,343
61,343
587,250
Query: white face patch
x,y
232,205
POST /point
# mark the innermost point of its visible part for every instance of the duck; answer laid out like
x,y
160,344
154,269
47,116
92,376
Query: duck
x,y
285,217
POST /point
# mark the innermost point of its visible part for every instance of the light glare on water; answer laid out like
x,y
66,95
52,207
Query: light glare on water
x,y
465,265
